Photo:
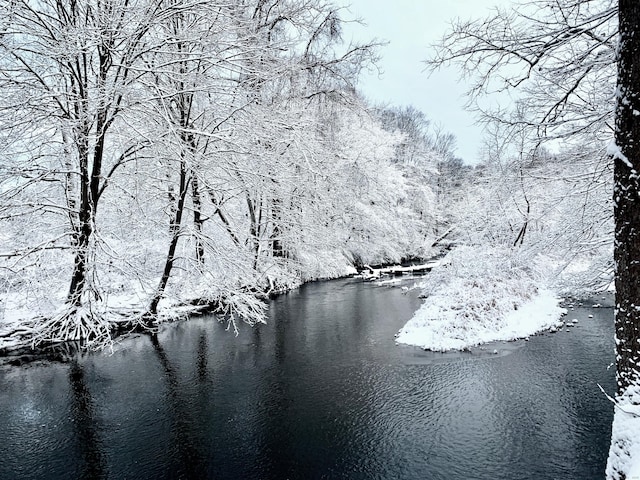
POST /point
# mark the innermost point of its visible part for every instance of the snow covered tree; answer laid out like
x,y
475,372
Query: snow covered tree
x,y
556,57
560,59
427,154
557,60
71,64
169,156
230,112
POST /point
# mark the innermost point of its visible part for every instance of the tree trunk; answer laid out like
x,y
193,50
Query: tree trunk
x,y
175,236
85,226
198,219
223,218
277,249
623,456
70,187
89,181
78,277
254,230
625,194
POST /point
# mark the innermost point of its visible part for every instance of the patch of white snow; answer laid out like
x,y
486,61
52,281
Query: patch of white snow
x,y
438,326
624,455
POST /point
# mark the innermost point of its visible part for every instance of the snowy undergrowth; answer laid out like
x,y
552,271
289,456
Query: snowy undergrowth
x,y
481,295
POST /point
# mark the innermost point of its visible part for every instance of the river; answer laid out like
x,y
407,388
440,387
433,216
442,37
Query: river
x,y
321,391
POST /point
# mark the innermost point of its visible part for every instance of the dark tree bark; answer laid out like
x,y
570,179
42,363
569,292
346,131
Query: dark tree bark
x,y
90,181
626,198
254,229
84,226
198,218
90,102
277,249
174,228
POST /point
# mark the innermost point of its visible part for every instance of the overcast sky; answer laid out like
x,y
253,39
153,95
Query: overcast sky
x,y
411,27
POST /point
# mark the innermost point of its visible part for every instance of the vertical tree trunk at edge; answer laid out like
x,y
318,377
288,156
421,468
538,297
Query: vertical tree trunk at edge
x,y
623,462
626,200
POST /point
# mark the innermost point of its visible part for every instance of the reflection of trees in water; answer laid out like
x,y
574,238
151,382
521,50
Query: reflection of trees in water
x,y
189,460
274,404
202,362
59,352
83,414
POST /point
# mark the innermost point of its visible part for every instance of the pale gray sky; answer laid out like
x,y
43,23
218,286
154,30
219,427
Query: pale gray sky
x,y
411,26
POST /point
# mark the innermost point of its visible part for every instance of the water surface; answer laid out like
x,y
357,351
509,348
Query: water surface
x,y
321,391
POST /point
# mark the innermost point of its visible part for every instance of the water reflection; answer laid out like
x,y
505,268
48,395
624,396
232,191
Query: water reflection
x,y
86,425
187,456
201,363
321,391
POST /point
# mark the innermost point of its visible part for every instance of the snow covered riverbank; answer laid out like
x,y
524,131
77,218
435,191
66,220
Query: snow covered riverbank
x,y
481,296
440,326
123,313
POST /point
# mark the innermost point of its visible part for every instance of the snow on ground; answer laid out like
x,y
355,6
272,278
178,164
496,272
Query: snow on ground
x,y
481,296
439,326
624,455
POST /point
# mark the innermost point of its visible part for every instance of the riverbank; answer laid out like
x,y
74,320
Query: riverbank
x,y
123,315
440,326
98,327
484,295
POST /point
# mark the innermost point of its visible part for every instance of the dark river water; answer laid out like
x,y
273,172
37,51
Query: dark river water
x,y
321,391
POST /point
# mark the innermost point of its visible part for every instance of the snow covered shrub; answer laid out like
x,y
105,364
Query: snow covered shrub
x,y
483,283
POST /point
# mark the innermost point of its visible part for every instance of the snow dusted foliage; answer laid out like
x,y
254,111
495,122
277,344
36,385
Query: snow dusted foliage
x,y
480,295
546,181
556,57
389,205
527,219
545,184
208,155
542,205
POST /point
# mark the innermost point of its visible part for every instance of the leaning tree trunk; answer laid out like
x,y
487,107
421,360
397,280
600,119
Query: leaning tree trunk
x,y
173,242
198,219
626,200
